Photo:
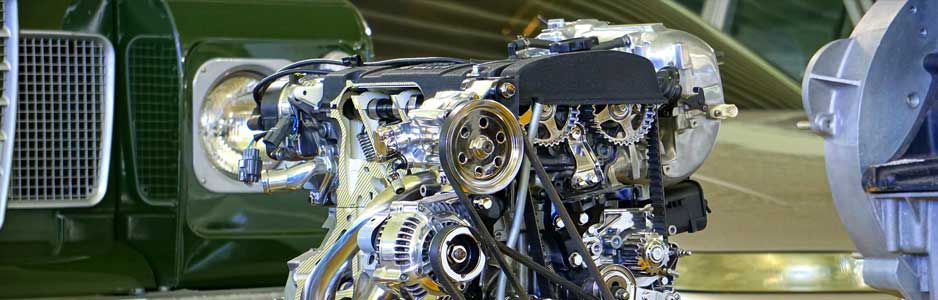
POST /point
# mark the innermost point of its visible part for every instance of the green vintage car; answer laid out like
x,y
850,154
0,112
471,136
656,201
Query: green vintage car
x,y
116,166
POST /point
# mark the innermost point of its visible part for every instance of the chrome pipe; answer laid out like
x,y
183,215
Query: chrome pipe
x,y
333,285
366,289
293,178
317,283
523,182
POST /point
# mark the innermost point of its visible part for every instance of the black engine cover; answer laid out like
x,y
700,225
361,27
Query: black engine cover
x,y
576,78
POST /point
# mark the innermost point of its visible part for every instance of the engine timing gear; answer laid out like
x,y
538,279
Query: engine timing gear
x,y
624,124
551,132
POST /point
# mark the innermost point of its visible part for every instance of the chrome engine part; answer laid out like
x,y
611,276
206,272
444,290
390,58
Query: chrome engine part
x,y
396,248
633,256
430,172
872,97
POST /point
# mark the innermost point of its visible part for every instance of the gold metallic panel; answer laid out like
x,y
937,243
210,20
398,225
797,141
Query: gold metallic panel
x,y
771,272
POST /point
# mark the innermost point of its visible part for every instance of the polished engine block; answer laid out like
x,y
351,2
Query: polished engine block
x,y
559,172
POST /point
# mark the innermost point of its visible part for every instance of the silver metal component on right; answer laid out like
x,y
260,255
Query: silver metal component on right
x,y
864,95
625,238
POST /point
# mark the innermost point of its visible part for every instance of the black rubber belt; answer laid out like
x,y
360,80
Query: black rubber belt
x,y
488,242
536,244
656,183
531,154
543,271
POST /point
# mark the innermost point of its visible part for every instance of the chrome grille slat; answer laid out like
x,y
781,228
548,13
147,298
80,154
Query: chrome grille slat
x,y
8,84
64,121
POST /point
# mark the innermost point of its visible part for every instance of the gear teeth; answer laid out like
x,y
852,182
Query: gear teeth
x,y
650,113
573,117
548,143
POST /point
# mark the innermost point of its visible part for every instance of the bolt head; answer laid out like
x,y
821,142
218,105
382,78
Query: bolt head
x,y
483,202
459,254
507,89
576,260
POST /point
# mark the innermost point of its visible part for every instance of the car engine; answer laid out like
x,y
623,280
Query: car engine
x,y
560,172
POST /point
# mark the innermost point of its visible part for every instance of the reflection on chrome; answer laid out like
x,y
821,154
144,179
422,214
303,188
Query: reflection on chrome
x,y
772,272
434,177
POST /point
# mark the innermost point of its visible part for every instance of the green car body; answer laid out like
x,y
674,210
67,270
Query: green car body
x,y
156,226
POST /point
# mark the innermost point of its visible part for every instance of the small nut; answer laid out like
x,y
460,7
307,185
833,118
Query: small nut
x,y
507,89
584,218
483,202
576,260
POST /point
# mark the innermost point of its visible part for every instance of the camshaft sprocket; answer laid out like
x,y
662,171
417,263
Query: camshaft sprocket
x,y
552,131
624,124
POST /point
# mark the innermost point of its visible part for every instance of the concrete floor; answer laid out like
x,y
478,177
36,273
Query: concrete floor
x,y
767,187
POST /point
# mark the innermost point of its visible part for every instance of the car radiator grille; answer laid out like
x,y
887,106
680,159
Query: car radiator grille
x,y
63,126
153,70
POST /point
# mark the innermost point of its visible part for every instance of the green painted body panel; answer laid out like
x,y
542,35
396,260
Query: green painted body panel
x,y
157,226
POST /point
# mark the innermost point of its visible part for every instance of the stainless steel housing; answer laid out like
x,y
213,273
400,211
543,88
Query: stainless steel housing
x,y
864,95
64,122
9,54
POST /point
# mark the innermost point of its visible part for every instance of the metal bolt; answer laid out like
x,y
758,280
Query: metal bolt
x,y
558,223
483,202
596,248
621,294
913,100
592,178
476,70
404,277
657,254
459,254
576,133
584,218
507,89
576,260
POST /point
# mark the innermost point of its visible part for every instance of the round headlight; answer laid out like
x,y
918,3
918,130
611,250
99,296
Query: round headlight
x,y
223,122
